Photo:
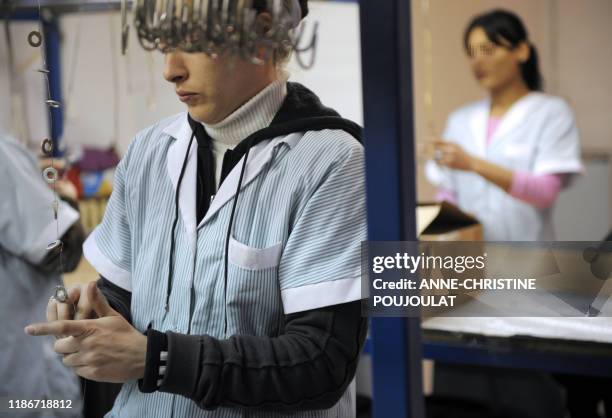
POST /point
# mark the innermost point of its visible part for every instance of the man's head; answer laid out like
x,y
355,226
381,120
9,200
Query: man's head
x,y
212,88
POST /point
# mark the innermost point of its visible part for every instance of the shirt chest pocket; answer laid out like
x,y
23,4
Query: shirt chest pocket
x,y
254,303
251,258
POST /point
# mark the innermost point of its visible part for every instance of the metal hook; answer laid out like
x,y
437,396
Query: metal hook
x,y
311,46
225,12
55,207
55,244
146,44
53,103
124,27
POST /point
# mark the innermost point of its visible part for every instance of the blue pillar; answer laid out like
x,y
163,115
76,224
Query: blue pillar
x,y
391,189
53,56
52,36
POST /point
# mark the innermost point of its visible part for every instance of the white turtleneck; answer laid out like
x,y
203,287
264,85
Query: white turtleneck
x,y
251,117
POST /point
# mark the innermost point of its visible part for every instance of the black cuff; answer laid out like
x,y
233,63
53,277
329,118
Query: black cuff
x,y
184,363
156,343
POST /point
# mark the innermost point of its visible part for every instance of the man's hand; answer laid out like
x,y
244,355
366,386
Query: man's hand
x,y
57,163
65,189
78,300
107,349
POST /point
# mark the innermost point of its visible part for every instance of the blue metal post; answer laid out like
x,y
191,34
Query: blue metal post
x,y
53,56
391,202
52,36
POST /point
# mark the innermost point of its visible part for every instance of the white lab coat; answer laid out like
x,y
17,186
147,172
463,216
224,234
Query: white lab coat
x,y
537,134
29,368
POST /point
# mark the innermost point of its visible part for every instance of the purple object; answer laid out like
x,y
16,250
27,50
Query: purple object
x,y
95,159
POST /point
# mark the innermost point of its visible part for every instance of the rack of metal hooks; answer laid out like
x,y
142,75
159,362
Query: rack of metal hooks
x,y
209,26
218,26
48,146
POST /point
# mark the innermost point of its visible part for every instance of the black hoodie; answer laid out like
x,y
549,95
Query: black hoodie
x,y
309,366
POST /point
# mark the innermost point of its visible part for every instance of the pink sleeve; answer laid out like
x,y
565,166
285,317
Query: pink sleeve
x,y
447,195
538,190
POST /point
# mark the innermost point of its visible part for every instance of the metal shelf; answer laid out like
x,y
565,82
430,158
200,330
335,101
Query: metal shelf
x,y
59,6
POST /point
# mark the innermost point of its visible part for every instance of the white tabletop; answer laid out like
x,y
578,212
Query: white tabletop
x,y
579,329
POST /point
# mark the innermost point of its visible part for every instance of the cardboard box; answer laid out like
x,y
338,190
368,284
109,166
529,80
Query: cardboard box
x,y
443,221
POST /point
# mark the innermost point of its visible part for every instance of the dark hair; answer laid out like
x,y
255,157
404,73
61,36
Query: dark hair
x,y
282,53
261,6
506,29
304,7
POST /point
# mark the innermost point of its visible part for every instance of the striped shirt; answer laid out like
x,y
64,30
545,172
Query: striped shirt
x,y
295,245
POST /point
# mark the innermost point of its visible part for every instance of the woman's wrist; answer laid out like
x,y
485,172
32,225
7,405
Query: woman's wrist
x,y
475,165
496,174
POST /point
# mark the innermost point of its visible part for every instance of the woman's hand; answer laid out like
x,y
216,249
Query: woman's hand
x,y
453,156
107,349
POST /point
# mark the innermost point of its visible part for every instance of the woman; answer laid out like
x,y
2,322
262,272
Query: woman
x,y
232,241
506,158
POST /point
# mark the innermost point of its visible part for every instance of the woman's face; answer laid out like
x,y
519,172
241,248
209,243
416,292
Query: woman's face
x,y
495,66
213,88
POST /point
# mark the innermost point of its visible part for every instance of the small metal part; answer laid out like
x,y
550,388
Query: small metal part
x,y
53,103
55,207
43,70
125,28
61,294
125,32
35,38
310,46
438,155
55,244
50,174
47,146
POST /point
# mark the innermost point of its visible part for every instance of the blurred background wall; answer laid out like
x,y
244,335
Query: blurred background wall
x,y
573,41
109,97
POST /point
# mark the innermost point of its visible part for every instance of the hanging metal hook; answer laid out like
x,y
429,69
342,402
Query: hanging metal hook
x,y
312,45
125,28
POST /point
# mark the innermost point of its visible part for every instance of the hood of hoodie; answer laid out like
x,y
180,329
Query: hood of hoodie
x,y
301,111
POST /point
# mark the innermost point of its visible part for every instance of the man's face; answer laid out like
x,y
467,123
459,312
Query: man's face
x,y
213,88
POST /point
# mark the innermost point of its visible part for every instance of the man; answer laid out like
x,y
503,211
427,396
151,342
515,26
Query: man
x,y
232,242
